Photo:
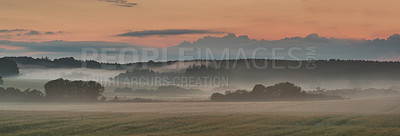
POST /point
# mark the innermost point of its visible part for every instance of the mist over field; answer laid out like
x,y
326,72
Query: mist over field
x,y
74,74
207,68
34,76
199,97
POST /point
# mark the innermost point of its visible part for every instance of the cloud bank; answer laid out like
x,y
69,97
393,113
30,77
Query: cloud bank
x,y
11,30
33,32
325,48
9,33
56,49
121,3
166,32
210,47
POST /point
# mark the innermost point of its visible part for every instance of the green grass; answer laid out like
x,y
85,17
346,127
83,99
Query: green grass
x,y
274,124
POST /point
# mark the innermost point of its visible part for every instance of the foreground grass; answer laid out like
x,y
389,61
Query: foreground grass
x,y
85,123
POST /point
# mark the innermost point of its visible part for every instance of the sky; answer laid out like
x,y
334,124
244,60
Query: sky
x,y
168,23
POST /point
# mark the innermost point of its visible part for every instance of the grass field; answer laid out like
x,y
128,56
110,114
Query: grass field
x,y
364,117
88,123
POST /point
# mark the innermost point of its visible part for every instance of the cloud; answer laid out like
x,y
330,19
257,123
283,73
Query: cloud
x,y
11,30
51,33
321,48
9,33
166,32
57,49
7,47
63,46
325,48
32,32
121,3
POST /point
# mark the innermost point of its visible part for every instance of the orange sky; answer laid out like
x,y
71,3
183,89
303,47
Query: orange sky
x,y
94,20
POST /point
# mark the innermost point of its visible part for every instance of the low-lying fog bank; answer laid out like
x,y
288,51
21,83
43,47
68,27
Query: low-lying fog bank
x,y
35,78
386,105
67,73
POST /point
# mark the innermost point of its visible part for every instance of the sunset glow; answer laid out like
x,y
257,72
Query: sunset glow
x,y
94,20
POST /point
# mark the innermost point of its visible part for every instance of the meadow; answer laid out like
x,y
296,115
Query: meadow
x,y
273,124
363,117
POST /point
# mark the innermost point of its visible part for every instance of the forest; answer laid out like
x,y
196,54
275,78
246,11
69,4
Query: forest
x,y
284,91
59,90
8,68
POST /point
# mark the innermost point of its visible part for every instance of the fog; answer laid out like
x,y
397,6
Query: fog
x,y
72,73
199,103
35,78
387,105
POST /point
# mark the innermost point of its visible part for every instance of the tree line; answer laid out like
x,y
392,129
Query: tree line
x,y
245,68
280,91
8,68
358,92
238,70
71,62
256,70
161,90
60,90
14,94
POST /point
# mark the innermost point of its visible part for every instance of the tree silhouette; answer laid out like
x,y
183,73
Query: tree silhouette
x,y
8,67
14,94
280,91
1,80
66,90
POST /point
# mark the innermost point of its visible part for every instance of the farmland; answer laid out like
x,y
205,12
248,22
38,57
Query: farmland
x,y
378,116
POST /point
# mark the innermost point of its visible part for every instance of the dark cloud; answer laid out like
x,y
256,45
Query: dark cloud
x,y
8,33
7,36
64,46
57,49
121,3
51,33
166,32
32,32
11,30
325,48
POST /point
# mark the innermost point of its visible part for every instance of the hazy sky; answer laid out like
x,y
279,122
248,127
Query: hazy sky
x,y
162,23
